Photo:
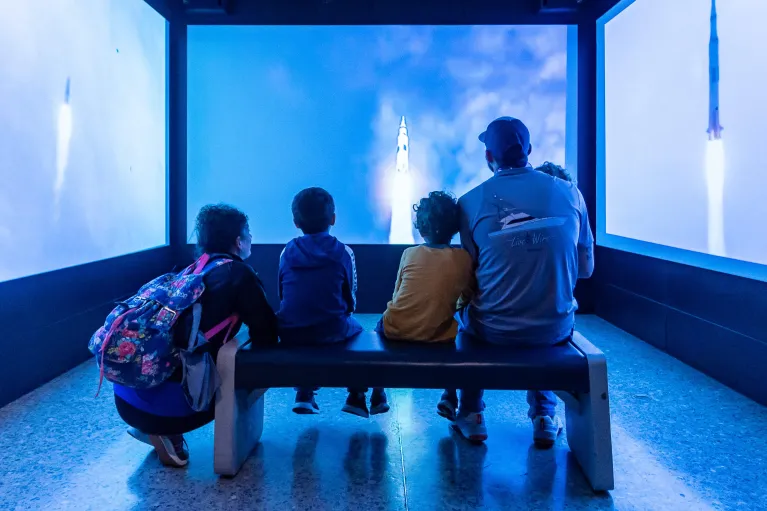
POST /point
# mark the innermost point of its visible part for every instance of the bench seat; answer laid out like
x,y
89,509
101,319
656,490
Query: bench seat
x,y
370,361
576,371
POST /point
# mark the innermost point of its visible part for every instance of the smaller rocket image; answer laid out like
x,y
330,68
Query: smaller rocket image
x,y
714,128
715,161
401,229
63,137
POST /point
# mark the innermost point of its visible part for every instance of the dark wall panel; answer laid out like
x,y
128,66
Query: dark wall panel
x,y
43,353
635,314
377,267
47,319
734,359
629,271
709,320
737,303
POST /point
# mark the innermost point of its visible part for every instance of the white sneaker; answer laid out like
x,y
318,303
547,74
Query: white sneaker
x,y
471,426
546,430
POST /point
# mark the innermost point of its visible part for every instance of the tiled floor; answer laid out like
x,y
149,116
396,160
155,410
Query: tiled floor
x,y
681,441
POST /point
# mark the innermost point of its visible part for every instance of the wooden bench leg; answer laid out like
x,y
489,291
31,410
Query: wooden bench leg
x,y
588,421
239,415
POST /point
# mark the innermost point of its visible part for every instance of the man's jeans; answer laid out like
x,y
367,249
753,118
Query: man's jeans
x,y
541,402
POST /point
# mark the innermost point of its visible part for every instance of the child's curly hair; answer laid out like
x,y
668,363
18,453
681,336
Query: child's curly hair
x,y
555,170
217,228
437,217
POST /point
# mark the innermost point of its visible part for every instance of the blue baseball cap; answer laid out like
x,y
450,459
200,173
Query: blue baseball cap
x,y
506,133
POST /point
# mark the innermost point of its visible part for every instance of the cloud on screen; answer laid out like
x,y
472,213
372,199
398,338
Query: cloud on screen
x,y
485,72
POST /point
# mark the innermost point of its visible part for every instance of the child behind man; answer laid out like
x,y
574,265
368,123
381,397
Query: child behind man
x,y
555,170
317,289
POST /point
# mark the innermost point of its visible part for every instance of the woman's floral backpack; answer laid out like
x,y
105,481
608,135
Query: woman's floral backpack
x,y
135,347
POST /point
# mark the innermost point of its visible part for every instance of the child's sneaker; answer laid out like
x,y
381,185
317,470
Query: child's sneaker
x,y
356,404
471,426
305,403
545,431
378,402
447,406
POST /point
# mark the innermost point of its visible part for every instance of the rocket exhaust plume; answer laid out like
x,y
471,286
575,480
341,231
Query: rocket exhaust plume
x,y
715,161
401,229
63,136
715,184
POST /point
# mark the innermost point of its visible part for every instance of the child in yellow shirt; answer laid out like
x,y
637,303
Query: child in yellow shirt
x,y
432,277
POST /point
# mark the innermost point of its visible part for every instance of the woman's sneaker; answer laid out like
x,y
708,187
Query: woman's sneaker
x,y
356,404
171,450
471,426
447,407
545,431
378,402
305,403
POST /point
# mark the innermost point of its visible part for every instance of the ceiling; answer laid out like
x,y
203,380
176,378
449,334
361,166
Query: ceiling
x,y
381,12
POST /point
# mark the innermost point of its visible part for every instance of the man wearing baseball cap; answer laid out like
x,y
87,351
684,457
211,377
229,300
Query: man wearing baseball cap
x,y
529,236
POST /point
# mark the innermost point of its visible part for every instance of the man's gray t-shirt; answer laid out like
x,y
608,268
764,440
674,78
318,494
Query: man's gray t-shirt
x,y
523,228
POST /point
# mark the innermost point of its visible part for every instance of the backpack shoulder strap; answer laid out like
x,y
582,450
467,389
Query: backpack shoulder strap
x,y
212,266
196,267
201,266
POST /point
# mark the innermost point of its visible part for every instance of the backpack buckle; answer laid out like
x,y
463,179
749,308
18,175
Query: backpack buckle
x,y
165,310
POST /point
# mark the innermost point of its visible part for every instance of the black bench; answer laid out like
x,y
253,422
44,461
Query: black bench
x,y
577,371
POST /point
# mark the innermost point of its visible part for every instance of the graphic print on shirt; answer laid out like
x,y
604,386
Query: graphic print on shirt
x,y
521,228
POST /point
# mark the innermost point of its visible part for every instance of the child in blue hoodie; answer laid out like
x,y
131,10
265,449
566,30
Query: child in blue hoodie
x,y
318,287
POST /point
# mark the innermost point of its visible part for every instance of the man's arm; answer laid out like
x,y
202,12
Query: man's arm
x,y
585,243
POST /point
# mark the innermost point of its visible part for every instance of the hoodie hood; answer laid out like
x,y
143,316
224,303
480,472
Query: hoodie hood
x,y
314,251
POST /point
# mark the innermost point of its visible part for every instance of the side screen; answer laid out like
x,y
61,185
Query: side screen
x,y
682,132
82,132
